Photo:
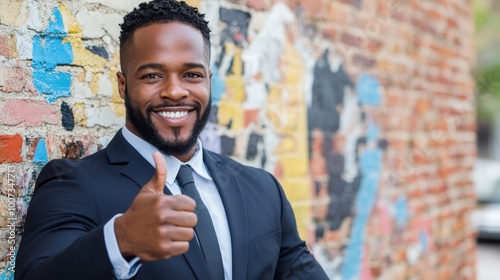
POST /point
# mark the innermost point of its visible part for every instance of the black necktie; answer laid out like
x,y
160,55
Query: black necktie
x,y
204,228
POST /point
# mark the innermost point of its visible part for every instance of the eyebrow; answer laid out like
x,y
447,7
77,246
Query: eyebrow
x,y
160,66
149,65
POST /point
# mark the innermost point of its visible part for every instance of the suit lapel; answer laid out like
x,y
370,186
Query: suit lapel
x,y
224,174
140,171
135,166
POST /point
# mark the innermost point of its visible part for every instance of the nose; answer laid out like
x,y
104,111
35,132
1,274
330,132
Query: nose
x,y
173,89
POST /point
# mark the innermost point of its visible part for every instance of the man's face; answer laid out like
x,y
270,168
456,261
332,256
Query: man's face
x,y
166,87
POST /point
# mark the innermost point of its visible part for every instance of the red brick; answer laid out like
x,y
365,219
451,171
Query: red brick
x,y
351,40
10,148
330,33
13,79
374,45
312,8
452,23
363,61
258,5
338,13
29,113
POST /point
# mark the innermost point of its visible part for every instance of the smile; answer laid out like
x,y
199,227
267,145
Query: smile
x,y
173,115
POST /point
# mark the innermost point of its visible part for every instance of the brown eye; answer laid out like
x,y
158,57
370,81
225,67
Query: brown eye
x,y
151,76
193,75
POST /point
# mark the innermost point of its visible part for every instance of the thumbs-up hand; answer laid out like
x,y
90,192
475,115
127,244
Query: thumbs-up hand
x,y
156,226
157,183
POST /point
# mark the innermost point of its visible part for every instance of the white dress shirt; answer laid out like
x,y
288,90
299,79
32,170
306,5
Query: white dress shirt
x,y
208,192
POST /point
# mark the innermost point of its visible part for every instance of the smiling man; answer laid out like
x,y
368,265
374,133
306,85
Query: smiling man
x,y
154,204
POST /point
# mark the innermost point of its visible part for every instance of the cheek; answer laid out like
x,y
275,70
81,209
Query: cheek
x,y
139,99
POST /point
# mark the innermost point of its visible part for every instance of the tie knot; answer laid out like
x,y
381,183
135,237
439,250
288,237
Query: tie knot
x,y
185,175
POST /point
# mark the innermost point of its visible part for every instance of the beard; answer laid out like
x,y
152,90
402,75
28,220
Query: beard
x,y
176,147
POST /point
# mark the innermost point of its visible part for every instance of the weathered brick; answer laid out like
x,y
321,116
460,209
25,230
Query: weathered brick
x,y
312,8
363,61
258,5
351,39
11,148
13,79
4,46
29,113
419,52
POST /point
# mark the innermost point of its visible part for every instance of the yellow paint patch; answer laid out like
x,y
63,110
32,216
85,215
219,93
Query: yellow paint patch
x,y
235,52
231,112
71,24
194,3
94,82
286,119
118,109
10,13
294,165
303,218
116,101
298,192
81,55
296,143
235,89
297,189
79,114
11,42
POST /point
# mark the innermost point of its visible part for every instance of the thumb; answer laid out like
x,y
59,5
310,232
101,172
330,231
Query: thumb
x,y
157,182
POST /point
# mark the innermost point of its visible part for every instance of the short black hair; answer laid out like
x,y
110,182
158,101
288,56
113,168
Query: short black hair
x,y
161,11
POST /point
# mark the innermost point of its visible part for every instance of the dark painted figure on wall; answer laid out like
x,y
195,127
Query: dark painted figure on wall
x,y
326,145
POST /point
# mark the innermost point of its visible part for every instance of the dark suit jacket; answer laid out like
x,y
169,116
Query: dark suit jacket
x,y
63,235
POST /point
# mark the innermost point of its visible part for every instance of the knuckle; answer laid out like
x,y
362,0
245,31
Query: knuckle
x,y
165,247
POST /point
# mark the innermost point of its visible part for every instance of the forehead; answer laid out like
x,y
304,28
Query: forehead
x,y
166,41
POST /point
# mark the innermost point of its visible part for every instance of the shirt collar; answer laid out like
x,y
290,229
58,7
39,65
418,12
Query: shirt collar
x,y
173,164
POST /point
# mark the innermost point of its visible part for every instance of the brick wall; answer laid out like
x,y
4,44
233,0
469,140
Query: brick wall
x,y
362,109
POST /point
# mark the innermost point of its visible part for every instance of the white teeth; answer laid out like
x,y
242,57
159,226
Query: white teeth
x,y
173,115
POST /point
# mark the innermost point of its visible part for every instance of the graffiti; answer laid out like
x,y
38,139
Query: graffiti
x,y
68,120
290,95
49,50
41,156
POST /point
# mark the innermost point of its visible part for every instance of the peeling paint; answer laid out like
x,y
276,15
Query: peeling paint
x,y
68,120
41,156
49,50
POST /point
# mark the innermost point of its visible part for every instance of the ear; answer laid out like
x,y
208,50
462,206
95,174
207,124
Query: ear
x,y
122,83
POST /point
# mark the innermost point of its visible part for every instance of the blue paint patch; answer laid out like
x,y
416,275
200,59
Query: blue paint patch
x,y
371,161
372,133
368,90
424,240
401,211
41,155
50,50
218,86
370,165
56,24
53,84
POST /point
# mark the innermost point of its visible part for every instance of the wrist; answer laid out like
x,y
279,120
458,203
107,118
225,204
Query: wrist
x,y
120,234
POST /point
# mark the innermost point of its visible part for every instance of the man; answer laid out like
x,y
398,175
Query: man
x,y
126,212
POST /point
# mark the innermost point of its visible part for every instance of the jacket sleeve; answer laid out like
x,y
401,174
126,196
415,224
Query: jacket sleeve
x,y
63,236
295,261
